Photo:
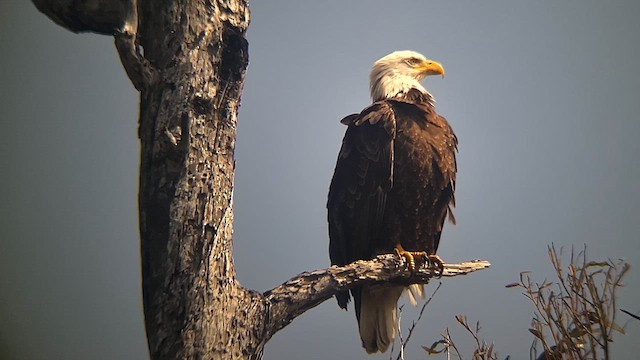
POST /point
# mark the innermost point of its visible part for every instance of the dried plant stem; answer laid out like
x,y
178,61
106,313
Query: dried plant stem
x,y
415,323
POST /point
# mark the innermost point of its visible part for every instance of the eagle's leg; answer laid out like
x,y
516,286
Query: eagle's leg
x,y
412,257
436,262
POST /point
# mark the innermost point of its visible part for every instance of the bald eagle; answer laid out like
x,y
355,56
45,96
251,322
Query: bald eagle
x,y
392,188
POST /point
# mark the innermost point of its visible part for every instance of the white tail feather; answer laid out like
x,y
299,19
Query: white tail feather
x,y
379,317
416,292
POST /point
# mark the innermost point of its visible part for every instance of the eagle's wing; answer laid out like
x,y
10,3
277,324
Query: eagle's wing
x,y
363,176
445,144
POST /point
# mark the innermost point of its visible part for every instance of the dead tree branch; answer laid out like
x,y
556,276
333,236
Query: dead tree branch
x,y
309,289
99,16
107,17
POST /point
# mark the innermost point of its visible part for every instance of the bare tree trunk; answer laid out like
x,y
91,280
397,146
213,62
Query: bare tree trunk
x,y
194,306
190,76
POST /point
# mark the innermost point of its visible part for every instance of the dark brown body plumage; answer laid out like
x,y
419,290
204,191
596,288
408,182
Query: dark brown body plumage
x,y
393,182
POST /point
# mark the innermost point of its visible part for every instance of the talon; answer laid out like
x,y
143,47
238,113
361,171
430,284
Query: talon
x,y
436,263
411,257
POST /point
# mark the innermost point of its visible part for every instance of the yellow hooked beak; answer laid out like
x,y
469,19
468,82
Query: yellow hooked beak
x,y
430,67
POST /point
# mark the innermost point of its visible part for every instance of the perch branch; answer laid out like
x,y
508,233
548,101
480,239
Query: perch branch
x,y
309,289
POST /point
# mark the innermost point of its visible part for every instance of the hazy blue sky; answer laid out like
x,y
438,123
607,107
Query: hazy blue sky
x,y
544,97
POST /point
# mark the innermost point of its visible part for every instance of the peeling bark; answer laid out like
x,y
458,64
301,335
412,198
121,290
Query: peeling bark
x,y
188,60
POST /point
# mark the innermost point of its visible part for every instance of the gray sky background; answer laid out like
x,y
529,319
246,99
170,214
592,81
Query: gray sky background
x,y
544,97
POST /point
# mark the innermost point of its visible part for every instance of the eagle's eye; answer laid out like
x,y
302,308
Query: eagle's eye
x,y
413,61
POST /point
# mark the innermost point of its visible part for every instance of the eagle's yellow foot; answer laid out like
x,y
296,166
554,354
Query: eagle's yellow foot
x,y
436,262
412,257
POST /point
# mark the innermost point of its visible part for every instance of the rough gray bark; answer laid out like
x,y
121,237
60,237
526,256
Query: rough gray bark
x,y
194,307
309,289
188,60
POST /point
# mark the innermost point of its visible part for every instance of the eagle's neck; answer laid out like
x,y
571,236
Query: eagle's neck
x,y
396,87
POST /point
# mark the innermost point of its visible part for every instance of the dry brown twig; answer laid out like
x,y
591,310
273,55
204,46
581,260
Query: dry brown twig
x,y
404,342
630,314
575,316
483,350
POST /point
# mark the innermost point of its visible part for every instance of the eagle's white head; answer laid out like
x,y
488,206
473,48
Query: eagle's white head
x,y
397,73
